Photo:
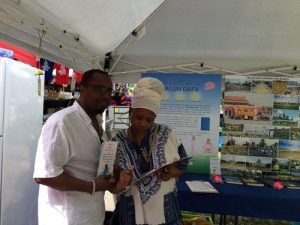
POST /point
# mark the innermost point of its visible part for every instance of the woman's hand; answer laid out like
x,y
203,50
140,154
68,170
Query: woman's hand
x,y
125,178
168,172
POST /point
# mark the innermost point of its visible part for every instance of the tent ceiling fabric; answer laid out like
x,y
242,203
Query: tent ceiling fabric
x,y
100,25
236,35
231,36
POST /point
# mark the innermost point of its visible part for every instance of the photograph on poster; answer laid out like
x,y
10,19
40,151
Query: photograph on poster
x,y
261,87
299,115
289,145
293,88
290,87
280,165
277,132
256,131
204,123
289,154
295,166
240,85
247,108
286,102
258,163
279,87
208,147
235,145
289,149
233,162
295,133
285,117
235,130
193,145
263,147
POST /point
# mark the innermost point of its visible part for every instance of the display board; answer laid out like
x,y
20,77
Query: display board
x,y
191,107
262,125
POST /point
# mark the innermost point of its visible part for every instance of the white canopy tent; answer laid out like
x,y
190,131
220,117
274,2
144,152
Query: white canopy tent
x,y
75,33
232,37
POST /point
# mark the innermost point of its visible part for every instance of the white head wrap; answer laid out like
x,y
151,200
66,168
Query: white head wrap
x,y
147,94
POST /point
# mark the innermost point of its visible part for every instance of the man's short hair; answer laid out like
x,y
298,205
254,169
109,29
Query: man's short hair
x,y
88,75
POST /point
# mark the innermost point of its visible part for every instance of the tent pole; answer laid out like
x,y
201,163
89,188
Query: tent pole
x,y
120,54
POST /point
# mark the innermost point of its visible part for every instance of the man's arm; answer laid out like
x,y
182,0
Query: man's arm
x,y
66,182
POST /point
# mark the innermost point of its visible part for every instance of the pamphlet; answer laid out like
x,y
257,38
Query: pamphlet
x,y
252,182
215,166
201,186
232,180
151,172
291,184
107,157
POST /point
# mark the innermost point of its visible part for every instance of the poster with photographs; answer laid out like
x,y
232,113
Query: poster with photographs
x,y
262,124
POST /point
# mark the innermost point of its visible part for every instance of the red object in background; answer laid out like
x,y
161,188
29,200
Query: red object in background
x,y
217,179
62,74
277,185
78,75
20,54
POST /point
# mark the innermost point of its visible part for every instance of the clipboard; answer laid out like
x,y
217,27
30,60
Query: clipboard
x,y
151,172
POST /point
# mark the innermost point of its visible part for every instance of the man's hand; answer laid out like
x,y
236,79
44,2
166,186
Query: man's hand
x,y
104,183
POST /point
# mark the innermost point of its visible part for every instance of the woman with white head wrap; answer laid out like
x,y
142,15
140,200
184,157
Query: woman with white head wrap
x,y
148,146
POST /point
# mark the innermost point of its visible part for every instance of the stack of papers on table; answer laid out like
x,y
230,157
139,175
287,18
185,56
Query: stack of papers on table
x,y
232,180
201,186
252,182
291,184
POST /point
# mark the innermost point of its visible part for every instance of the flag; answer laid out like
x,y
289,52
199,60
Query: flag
x,y
62,74
47,66
78,75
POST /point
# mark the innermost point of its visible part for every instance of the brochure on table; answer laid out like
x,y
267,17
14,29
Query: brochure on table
x,y
215,166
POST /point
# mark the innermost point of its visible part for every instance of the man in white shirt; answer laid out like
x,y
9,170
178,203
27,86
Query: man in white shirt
x,y
67,159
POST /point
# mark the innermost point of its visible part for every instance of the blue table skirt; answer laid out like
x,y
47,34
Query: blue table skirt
x,y
241,200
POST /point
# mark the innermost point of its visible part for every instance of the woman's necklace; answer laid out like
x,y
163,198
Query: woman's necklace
x,y
142,153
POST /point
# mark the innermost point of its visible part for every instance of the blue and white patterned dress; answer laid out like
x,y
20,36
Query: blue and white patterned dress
x,y
149,201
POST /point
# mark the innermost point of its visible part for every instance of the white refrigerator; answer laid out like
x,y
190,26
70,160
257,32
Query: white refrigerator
x,y
21,117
